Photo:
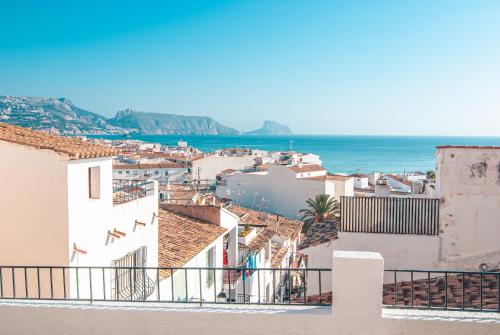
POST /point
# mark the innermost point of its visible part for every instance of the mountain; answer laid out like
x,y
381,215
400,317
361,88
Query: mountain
x,y
61,115
157,123
271,128
53,114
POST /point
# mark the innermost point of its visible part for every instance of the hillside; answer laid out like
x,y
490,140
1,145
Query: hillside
x,y
156,123
53,114
61,115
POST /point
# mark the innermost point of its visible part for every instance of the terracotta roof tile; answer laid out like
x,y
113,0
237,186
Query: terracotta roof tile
x,y
280,225
319,233
181,238
466,147
74,148
436,290
278,252
306,168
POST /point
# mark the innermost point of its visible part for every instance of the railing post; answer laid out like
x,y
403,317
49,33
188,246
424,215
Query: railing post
x,y
357,280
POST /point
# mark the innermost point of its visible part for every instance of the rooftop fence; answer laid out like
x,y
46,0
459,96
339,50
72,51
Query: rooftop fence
x,y
389,215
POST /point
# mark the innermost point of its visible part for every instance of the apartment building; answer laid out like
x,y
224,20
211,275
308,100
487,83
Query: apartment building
x,y
163,171
282,189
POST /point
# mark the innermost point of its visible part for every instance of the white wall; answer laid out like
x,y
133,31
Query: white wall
x,y
33,206
357,309
277,192
193,276
211,165
470,203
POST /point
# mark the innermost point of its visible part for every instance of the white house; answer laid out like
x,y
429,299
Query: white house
x,y
283,189
63,208
360,180
192,237
265,241
398,183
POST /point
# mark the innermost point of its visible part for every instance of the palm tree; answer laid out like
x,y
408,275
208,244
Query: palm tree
x,y
321,208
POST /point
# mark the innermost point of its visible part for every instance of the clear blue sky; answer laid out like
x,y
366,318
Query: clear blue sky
x,y
323,67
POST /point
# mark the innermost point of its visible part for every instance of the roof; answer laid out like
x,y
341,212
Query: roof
x,y
306,168
466,147
278,252
335,177
163,165
319,233
229,171
279,225
419,295
398,178
359,175
181,238
73,147
261,239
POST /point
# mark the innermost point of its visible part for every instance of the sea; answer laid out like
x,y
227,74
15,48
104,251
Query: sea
x,y
339,153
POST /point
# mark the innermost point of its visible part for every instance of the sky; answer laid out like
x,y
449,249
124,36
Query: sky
x,y
321,67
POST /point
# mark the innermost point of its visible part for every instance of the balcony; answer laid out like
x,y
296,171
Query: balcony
x,y
129,190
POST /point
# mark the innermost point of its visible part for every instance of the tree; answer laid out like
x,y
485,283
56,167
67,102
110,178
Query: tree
x,y
321,208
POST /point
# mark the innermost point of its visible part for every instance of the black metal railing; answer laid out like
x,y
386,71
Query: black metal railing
x,y
389,215
125,190
230,285
450,290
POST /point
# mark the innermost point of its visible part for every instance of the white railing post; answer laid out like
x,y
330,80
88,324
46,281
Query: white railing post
x,y
357,291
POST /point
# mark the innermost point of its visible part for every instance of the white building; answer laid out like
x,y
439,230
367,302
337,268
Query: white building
x,y
265,241
163,171
192,237
466,238
360,181
62,209
283,189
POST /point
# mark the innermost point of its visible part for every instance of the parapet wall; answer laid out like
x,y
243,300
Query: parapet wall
x,y
357,309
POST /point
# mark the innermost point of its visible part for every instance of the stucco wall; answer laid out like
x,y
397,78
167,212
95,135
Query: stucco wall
x,y
33,206
278,192
469,186
211,165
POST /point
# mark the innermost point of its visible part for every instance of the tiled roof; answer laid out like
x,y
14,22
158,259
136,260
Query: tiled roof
x,y
398,178
261,239
319,233
325,298
453,293
306,168
165,165
280,225
466,147
359,175
74,148
278,252
180,238
337,177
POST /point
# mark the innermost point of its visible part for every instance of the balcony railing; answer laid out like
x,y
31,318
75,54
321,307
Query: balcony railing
x,y
449,290
150,284
128,190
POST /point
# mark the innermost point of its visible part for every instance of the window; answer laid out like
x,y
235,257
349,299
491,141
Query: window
x,y
120,172
210,264
95,182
